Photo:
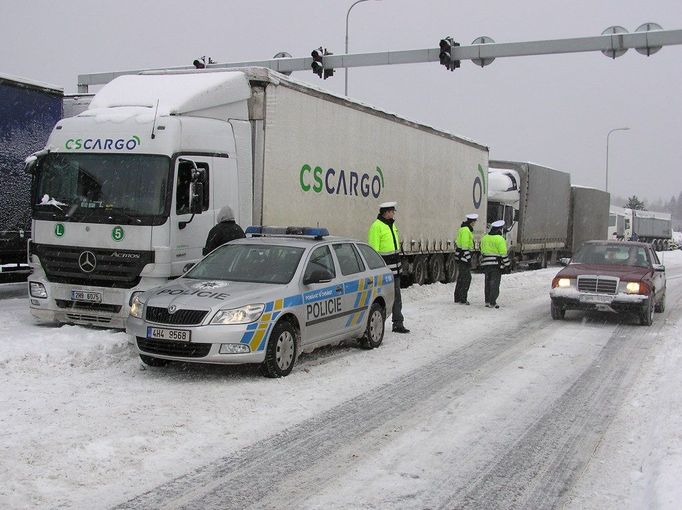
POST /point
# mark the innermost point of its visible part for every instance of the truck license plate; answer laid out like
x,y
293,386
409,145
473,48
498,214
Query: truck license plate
x,y
90,296
592,298
181,335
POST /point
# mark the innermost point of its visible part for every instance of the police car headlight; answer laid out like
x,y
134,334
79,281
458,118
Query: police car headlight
x,y
136,306
243,315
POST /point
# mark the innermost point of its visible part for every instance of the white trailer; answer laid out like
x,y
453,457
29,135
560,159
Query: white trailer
x,y
646,226
126,192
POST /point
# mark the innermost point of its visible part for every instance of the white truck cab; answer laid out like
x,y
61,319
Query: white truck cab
x,y
125,192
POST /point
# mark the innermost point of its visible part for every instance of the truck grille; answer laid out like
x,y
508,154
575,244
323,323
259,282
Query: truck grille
x,y
84,305
598,284
173,348
186,317
112,268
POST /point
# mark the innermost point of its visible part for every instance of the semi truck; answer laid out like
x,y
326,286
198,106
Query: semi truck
x,y
646,226
546,217
28,112
534,201
125,192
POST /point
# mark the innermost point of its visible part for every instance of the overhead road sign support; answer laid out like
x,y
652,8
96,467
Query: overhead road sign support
x,y
643,41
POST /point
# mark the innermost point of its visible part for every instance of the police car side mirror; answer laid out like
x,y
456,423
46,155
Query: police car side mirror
x,y
318,276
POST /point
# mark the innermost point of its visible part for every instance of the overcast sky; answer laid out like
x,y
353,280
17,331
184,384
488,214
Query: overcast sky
x,y
555,110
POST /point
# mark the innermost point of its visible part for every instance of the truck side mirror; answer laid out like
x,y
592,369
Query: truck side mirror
x,y
31,162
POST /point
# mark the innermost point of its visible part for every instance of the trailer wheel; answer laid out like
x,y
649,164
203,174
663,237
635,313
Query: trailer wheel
x,y
436,267
450,268
419,270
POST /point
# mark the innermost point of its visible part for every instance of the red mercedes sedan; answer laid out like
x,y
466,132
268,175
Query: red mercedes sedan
x,y
613,276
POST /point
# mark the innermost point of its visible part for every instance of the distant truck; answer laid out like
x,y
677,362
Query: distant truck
x,y
534,201
650,227
546,218
28,112
126,192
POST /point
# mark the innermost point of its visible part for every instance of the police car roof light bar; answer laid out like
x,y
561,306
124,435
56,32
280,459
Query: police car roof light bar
x,y
258,230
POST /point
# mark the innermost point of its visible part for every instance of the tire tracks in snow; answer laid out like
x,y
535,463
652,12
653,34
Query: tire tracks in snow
x,y
286,467
539,470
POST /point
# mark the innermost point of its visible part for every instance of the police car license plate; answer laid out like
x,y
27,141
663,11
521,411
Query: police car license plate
x,y
90,296
593,298
181,335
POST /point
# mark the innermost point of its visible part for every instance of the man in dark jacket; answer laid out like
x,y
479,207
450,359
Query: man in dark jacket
x,y
224,231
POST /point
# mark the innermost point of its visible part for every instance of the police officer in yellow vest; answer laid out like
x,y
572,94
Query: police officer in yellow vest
x,y
465,245
494,261
383,237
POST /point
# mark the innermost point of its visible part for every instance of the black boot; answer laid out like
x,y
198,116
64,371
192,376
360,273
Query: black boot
x,y
399,328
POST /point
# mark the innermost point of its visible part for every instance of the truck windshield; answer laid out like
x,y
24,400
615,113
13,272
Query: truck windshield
x,y
102,188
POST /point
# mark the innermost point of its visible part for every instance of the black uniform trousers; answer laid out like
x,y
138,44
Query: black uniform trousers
x,y
493,277
463,282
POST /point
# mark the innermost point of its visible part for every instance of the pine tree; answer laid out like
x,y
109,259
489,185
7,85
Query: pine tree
x,y
635,203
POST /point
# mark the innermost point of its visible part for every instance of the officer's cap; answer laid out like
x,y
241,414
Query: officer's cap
x,y
472,216
387,205
497,224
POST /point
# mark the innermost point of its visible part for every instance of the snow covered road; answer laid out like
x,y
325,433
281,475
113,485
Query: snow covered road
x,y
475,408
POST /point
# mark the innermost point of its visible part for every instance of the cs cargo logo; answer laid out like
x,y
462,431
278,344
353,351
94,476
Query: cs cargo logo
x,y
102,144
340,182
479,187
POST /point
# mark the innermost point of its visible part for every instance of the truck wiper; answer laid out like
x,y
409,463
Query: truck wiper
x,y
123,212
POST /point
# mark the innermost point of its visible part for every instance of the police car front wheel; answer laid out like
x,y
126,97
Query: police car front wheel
x,y
374,332
281,351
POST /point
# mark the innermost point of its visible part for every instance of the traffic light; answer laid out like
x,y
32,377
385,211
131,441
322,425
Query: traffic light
x,y
445,55
318,66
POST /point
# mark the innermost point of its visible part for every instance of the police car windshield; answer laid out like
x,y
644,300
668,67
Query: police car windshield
x,y
254,263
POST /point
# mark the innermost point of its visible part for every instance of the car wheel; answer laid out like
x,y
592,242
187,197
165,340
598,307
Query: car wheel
x,y
280,353
450,268
374,332
660,306
419,270
436,267
646,315
557,311
150,361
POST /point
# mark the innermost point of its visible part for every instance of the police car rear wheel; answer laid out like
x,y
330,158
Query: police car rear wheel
x,y
374,332
281,351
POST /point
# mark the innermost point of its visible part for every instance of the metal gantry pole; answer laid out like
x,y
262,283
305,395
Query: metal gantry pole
x,y
608,44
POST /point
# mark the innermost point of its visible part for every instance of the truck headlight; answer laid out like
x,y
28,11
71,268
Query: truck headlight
x,y
37,290
632,288
243,315
136,306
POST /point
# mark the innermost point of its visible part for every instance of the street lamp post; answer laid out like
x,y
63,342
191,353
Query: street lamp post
x,y
347,15
606,187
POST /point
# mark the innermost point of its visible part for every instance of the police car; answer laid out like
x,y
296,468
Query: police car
x,y
265,299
